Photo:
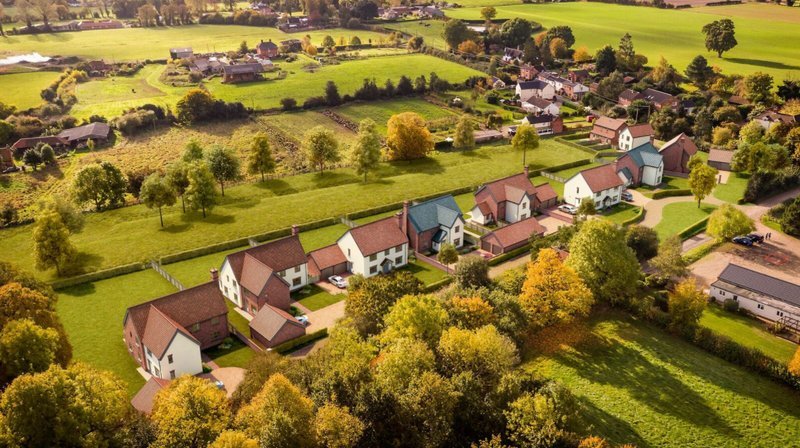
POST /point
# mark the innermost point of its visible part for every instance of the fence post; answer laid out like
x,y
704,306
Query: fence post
x,y
175,282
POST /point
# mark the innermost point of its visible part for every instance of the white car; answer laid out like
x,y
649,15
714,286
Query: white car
x,y
566,208
303,319
338,281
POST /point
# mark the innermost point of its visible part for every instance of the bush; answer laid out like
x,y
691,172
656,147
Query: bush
x,y
315,102
132,122
288,104
296,343
730,305
762,184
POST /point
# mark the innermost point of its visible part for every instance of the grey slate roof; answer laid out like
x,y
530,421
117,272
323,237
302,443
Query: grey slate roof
x,y
536,84
85,132
441,211
761,283
646,155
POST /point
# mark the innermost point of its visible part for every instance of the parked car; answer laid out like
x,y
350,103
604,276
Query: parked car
x,y
303,319
566,208
756,237
512,130
627,196
10,169
338,281
743,240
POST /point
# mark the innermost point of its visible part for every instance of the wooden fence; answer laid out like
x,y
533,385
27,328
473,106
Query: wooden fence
x,y
175,282
476,228
348,222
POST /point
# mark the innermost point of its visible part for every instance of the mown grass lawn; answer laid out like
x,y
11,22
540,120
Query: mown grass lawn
x,y
620,212
425,272
315,298
667,183
92,314
680,215
638,384
557,186
569,172
732,190
381,111
766,44
133,233
22,89
238,355
747,331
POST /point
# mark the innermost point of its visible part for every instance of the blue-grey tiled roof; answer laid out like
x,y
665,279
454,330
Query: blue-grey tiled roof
x,y
441,211
646,155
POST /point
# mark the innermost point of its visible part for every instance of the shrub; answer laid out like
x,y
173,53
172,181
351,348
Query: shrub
x,y
730,305
314,102
288,103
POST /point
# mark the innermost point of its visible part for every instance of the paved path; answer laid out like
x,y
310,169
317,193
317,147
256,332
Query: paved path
x,y
496,271
325,317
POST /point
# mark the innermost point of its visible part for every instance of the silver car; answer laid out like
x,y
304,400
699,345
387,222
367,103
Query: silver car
x,y
338,281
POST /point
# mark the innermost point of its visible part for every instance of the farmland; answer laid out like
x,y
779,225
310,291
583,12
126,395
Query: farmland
x,y
22,89
639,385
381,111
765,44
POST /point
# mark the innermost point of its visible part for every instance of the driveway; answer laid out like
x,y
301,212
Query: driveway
x,y
325,317
496,271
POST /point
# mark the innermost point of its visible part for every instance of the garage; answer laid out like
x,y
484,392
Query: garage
x,y
325,262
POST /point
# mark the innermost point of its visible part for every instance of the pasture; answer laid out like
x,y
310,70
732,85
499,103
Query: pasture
x,y
381,111
22,89
765,44
638,384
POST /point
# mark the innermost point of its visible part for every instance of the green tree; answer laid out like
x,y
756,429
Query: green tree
x,y
201,194
790,221
686,304
598,254
488,13
669,263
540,420
606,60
368,300
455,31
332,97
78,406
485,352
758,88
243,50
27,348
643,240
727,222
626,55
428,406
760,157
586,208
192,152
465,138
720,36
702,180
47,154
328,42
448,254
366,152
751,133
408,137
526,139
259,158
336,427
191,412
102,184
279,416
515,32
472,271
32,157
224,166
196,105
321,147
398,362
178,178
51,244
157,193
699,72
416,317
70,216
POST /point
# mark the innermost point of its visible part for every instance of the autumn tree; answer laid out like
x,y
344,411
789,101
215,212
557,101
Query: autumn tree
x,y
581,54
470,47
321,147
472,271
484,351
686,304
157,193
259,158
51,244
470,312
224,166
27,348
366,152
368,300
702,180
526,139
201,194
416,317
408,137
337,427
190,412
540,419
720,36
234,439
794,364
727,222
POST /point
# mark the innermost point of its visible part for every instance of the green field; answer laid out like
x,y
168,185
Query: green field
x,y
732,190
765,44
640,385
430,30
22,89
425,272
747,331
680,215
296,124
381,111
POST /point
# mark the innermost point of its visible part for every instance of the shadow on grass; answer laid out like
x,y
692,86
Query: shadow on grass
x,y
82,263
81,290
763,63
596,421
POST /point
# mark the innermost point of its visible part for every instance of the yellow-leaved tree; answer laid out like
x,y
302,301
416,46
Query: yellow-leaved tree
x,y
408,137
794,364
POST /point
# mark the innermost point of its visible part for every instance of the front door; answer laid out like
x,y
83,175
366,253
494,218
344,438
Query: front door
x,y
386,266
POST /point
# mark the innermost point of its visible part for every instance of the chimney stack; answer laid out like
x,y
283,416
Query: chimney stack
x,y
526,171
214,274
295,230
398,217
404,224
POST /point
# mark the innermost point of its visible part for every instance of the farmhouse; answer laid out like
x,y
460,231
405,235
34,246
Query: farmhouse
x,y
273,326
376,248
601,183
642,165
265,274
528,72
537,88
181,53
511,237
628,96
511,55
232,74
545,124
165,336
536,105
267,50
636,135
433,223
659,99
97,132
607,130
770,118
31,142
677,152
763,295
720,159
511,199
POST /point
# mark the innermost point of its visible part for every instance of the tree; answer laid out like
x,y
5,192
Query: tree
x,y
760,157
332,97
279,416
484,352
321,147
553,293
157,193
526,139
328,42
643,240
178,179
488,13
539,420
794,364
243,50
47,154
605,60
366,152
581,54
470,312
192,152
77,406
27,348
515,32
259,157
448,254
469,47
336,427
727,222
70,216
626,55
789,90
669,263
234,439
190,412
147,15
751,133
686,304
702,180
32,157
201,194
586,208
196,105
103,184
368,300
758,88
611,86
408,137
419,317
465,138
224,166
598,254
355,40
720,36
51,244
665,76
472,271
790,221
699,72
455,32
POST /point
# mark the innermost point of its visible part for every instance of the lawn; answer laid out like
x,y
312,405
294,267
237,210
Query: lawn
x,y
381,111
680,215
425,272
138,44
131,234
92,314
765,43
238,355
764,11
557,186
732,190
638,384
315,298
747,331
621,212
22,89
569,172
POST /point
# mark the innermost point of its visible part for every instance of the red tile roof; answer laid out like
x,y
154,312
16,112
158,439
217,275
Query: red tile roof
x,y
143,400
511,188
601,178
614,124
378,236
270,320
280,254
30,142
545,192
255,275
160,330
324,258
641,130
720,155
515,233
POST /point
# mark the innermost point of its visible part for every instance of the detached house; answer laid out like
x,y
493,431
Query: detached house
x,y
607,130
433,223
511,199
536,105
267,50
628,96
545,124
537,88
376,248
601,183
573,90
232,74
659,99
642,165
636,135
165,336
677,152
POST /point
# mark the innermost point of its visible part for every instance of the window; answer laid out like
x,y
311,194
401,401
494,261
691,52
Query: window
x,y
760,306
172,374
227,277
195,328
226,290
524,205
296,282
215,335
234,283
398,260
458,229
348,252
236,297
400,247
722,293
577,190
169,359
215,320
597,195
373,269
457,242
373,257
735,298
386,252
780,313
297,269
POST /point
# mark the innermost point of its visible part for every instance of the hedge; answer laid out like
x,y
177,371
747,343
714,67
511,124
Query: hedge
x,y
575,145
296,343
670,193
637,218
700,251
435,286
563,166
576,136
509,255
98,275
693,229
